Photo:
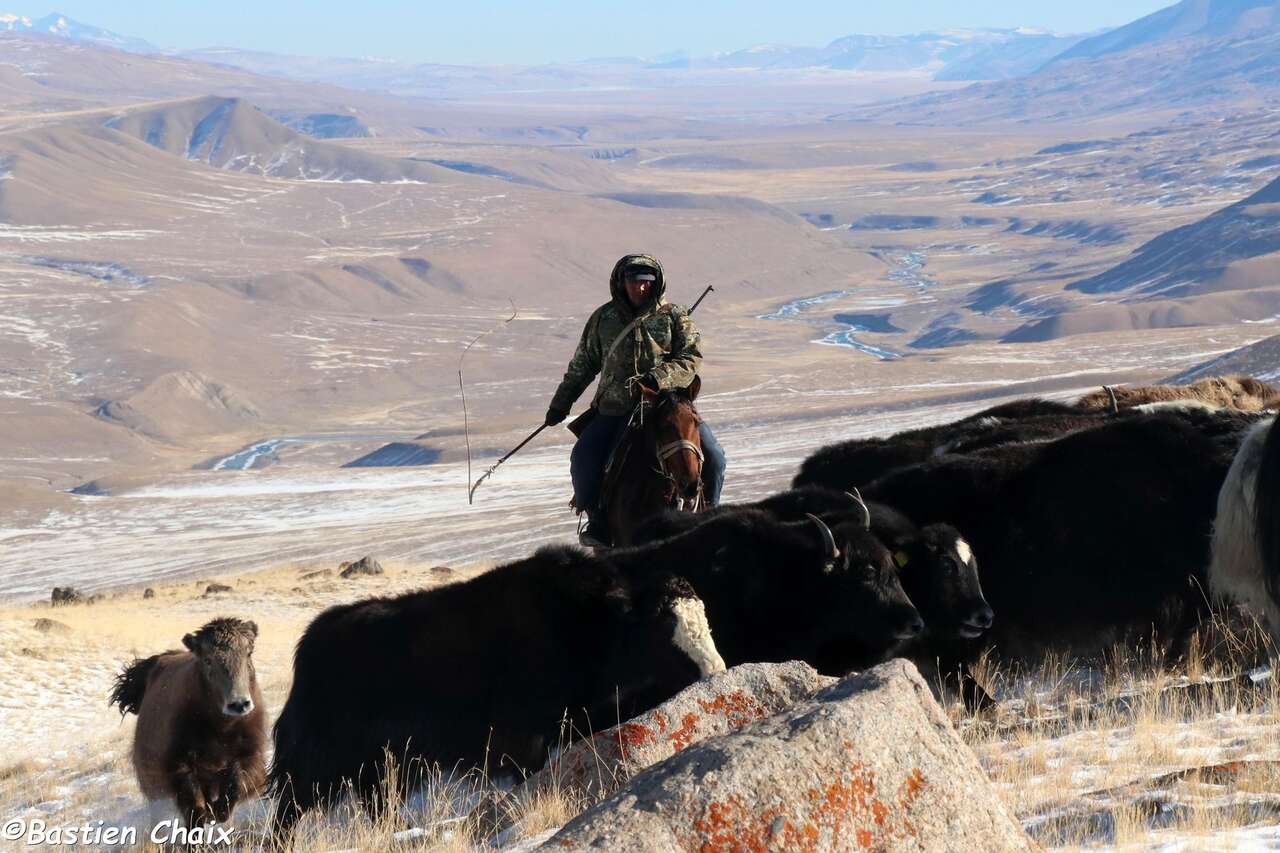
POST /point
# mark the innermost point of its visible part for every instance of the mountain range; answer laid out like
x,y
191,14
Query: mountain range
x,y
1194,53
970,54
960,54
58,24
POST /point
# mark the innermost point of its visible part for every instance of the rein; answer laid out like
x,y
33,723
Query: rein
x,y
665,452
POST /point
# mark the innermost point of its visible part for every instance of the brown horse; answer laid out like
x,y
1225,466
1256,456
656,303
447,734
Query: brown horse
x,y
201,724
658,464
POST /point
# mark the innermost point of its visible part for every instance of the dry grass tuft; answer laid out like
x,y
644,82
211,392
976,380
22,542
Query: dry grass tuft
x,y
1138,750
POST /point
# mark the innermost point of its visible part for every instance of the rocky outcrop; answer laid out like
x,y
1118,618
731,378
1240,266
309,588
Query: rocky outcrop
x,y
720,704
363,566
869,763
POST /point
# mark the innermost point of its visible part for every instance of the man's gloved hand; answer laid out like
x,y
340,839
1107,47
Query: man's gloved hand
x,y
635,383
555,416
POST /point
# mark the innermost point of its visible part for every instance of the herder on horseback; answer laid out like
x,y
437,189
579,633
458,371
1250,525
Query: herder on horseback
x,y
637,340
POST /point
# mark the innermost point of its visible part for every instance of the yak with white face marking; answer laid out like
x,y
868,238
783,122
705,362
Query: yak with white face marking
x,y
1101,536
942,583
479,674
779,590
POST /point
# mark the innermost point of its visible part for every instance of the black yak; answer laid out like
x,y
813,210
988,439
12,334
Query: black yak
x,y
856,462
478,674
1097,537
772,595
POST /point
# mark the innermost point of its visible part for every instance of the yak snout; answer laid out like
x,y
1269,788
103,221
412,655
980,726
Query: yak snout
x,y
910,627
238,707
978,622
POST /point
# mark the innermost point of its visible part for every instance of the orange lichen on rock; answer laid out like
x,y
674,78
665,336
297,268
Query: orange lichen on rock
x,y
684,735
631,736
730,827
844,809
737,707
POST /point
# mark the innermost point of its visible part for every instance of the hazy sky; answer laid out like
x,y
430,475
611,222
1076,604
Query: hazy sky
x,y
486,31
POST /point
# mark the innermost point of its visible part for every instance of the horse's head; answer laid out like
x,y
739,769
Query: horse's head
x,y
672,423
224,648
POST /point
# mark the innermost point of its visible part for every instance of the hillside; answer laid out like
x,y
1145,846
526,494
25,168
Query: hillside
x,y
181,406
230,133
1260,359
1189,18
1194,258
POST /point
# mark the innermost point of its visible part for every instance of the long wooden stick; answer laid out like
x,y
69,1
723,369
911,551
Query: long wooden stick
x,y
471,494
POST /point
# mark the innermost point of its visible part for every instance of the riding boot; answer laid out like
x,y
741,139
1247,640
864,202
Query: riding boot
x,y
596,533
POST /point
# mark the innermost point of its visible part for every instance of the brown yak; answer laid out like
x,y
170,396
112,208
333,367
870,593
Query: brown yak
x,y
201,723
1233,392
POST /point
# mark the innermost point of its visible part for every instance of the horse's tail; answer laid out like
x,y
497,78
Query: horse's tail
x,y
131,684
1266,513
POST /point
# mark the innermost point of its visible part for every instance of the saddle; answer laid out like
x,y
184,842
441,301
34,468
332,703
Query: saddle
x,y
616,461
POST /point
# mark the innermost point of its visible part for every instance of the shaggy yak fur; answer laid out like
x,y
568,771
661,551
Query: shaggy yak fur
x,y
1098,537
201,723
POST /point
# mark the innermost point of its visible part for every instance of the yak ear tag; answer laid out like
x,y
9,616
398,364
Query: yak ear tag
x,y
900,559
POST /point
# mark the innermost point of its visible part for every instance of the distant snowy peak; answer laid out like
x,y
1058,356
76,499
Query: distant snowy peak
x,y
58,24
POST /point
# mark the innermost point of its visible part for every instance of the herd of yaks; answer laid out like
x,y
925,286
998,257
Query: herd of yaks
x,y
1127,515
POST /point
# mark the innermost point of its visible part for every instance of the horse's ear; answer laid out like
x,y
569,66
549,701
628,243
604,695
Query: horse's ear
x,y
694,387
190,642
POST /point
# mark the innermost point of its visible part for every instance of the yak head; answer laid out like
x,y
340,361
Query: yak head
x,y
940,573
224,651
819,588
863,580
664,644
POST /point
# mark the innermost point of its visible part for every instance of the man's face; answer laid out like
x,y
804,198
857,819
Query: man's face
x,y
638,289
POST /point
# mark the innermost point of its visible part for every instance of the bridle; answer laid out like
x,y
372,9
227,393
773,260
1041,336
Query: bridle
x,y
665,452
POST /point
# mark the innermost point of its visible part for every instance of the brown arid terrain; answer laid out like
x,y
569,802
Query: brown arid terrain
x,y
218,287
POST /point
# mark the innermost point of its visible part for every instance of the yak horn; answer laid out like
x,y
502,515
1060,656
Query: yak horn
x,y
856,496
828,540
1115,404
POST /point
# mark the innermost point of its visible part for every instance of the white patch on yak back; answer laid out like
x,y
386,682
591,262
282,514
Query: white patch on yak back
x,y
965,552
1235,567
693,635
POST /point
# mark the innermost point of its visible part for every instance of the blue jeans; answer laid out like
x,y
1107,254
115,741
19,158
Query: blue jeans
x,y
586,462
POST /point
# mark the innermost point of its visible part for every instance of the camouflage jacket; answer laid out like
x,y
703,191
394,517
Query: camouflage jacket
x,y
662,345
